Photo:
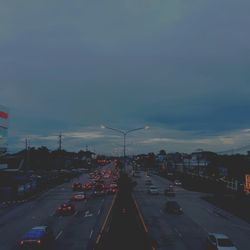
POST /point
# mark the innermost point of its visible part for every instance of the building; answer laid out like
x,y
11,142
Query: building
x,y
4,117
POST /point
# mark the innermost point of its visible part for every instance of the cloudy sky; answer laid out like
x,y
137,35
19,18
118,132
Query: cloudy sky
x,y
181,67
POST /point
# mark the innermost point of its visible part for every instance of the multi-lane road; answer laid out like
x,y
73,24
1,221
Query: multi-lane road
x,y
81,229
74,232
189,230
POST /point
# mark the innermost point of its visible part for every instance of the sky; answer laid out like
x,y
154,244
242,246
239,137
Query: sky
x,y
181,67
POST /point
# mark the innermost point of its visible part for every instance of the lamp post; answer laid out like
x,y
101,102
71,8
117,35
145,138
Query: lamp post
x,y
124,133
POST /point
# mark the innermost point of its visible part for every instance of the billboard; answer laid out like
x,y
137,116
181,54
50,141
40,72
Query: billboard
x,y
4,119
247,183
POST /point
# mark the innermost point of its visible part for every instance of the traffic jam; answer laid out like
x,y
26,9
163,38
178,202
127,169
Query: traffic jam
x,y
100,183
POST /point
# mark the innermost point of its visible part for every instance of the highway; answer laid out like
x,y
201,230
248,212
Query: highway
x,y
189,230
75,232
80,230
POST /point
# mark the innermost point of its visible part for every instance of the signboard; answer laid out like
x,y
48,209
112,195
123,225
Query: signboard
x,y
4,118
247,183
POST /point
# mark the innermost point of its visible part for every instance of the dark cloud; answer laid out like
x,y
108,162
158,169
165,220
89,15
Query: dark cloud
x,y
181,65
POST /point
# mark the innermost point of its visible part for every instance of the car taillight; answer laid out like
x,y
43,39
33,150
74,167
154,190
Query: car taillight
x,y
39,241
21,242
69,208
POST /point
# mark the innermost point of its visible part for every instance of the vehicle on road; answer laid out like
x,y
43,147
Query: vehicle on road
x,y
153,190
219,241
40,237
173,207
177,183
169,191
79,197
98,193
66,209
148,182
87,186
110,190
77,186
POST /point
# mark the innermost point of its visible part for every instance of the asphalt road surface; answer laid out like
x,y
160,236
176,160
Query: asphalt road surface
x,y
74,232
189,230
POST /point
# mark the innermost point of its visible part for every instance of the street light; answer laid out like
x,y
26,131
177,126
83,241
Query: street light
x,y
124,133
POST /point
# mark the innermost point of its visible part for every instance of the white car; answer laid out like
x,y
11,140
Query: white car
x,y
153,190
177,183
219,241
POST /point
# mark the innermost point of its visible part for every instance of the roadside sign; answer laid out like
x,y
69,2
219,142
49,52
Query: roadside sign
x,y
247,183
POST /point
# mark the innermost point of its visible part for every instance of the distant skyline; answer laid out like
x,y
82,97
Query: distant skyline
x,y
180,67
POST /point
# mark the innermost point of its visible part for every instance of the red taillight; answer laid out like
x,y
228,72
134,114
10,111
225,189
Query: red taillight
x,y
69,208
21,242
39,241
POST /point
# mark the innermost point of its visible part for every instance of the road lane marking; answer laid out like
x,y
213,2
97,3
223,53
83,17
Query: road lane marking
x,y
59,234
241,227
88,214
91,233
99,211
106,219
179,234
75,213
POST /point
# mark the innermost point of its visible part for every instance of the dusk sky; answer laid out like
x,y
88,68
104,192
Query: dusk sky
x,y
182,67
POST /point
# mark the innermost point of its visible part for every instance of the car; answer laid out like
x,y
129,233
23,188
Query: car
x,y
66,209
177,183
219,241
173,207
40,237
169,192
79,197
153,190
98,193
77,186
87,186
148,182
111,190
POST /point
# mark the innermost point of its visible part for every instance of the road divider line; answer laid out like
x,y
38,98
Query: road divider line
x,y
91,233
106,219
58,235
179,234
140,215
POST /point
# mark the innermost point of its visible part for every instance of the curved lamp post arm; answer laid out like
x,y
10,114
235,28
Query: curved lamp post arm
x,y
135,129
124,137
114,129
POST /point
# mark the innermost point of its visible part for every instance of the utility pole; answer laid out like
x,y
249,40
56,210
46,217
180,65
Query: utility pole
x,y
60,141
27,155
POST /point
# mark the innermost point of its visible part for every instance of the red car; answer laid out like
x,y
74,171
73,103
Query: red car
x,y
66,209
77,186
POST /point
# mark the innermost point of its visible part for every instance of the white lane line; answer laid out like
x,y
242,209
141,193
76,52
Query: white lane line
x,y
241,227
75,213
99,211
59,234
179,234
91,233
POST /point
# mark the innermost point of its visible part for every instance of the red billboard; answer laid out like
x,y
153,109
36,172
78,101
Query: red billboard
x,y
4,117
